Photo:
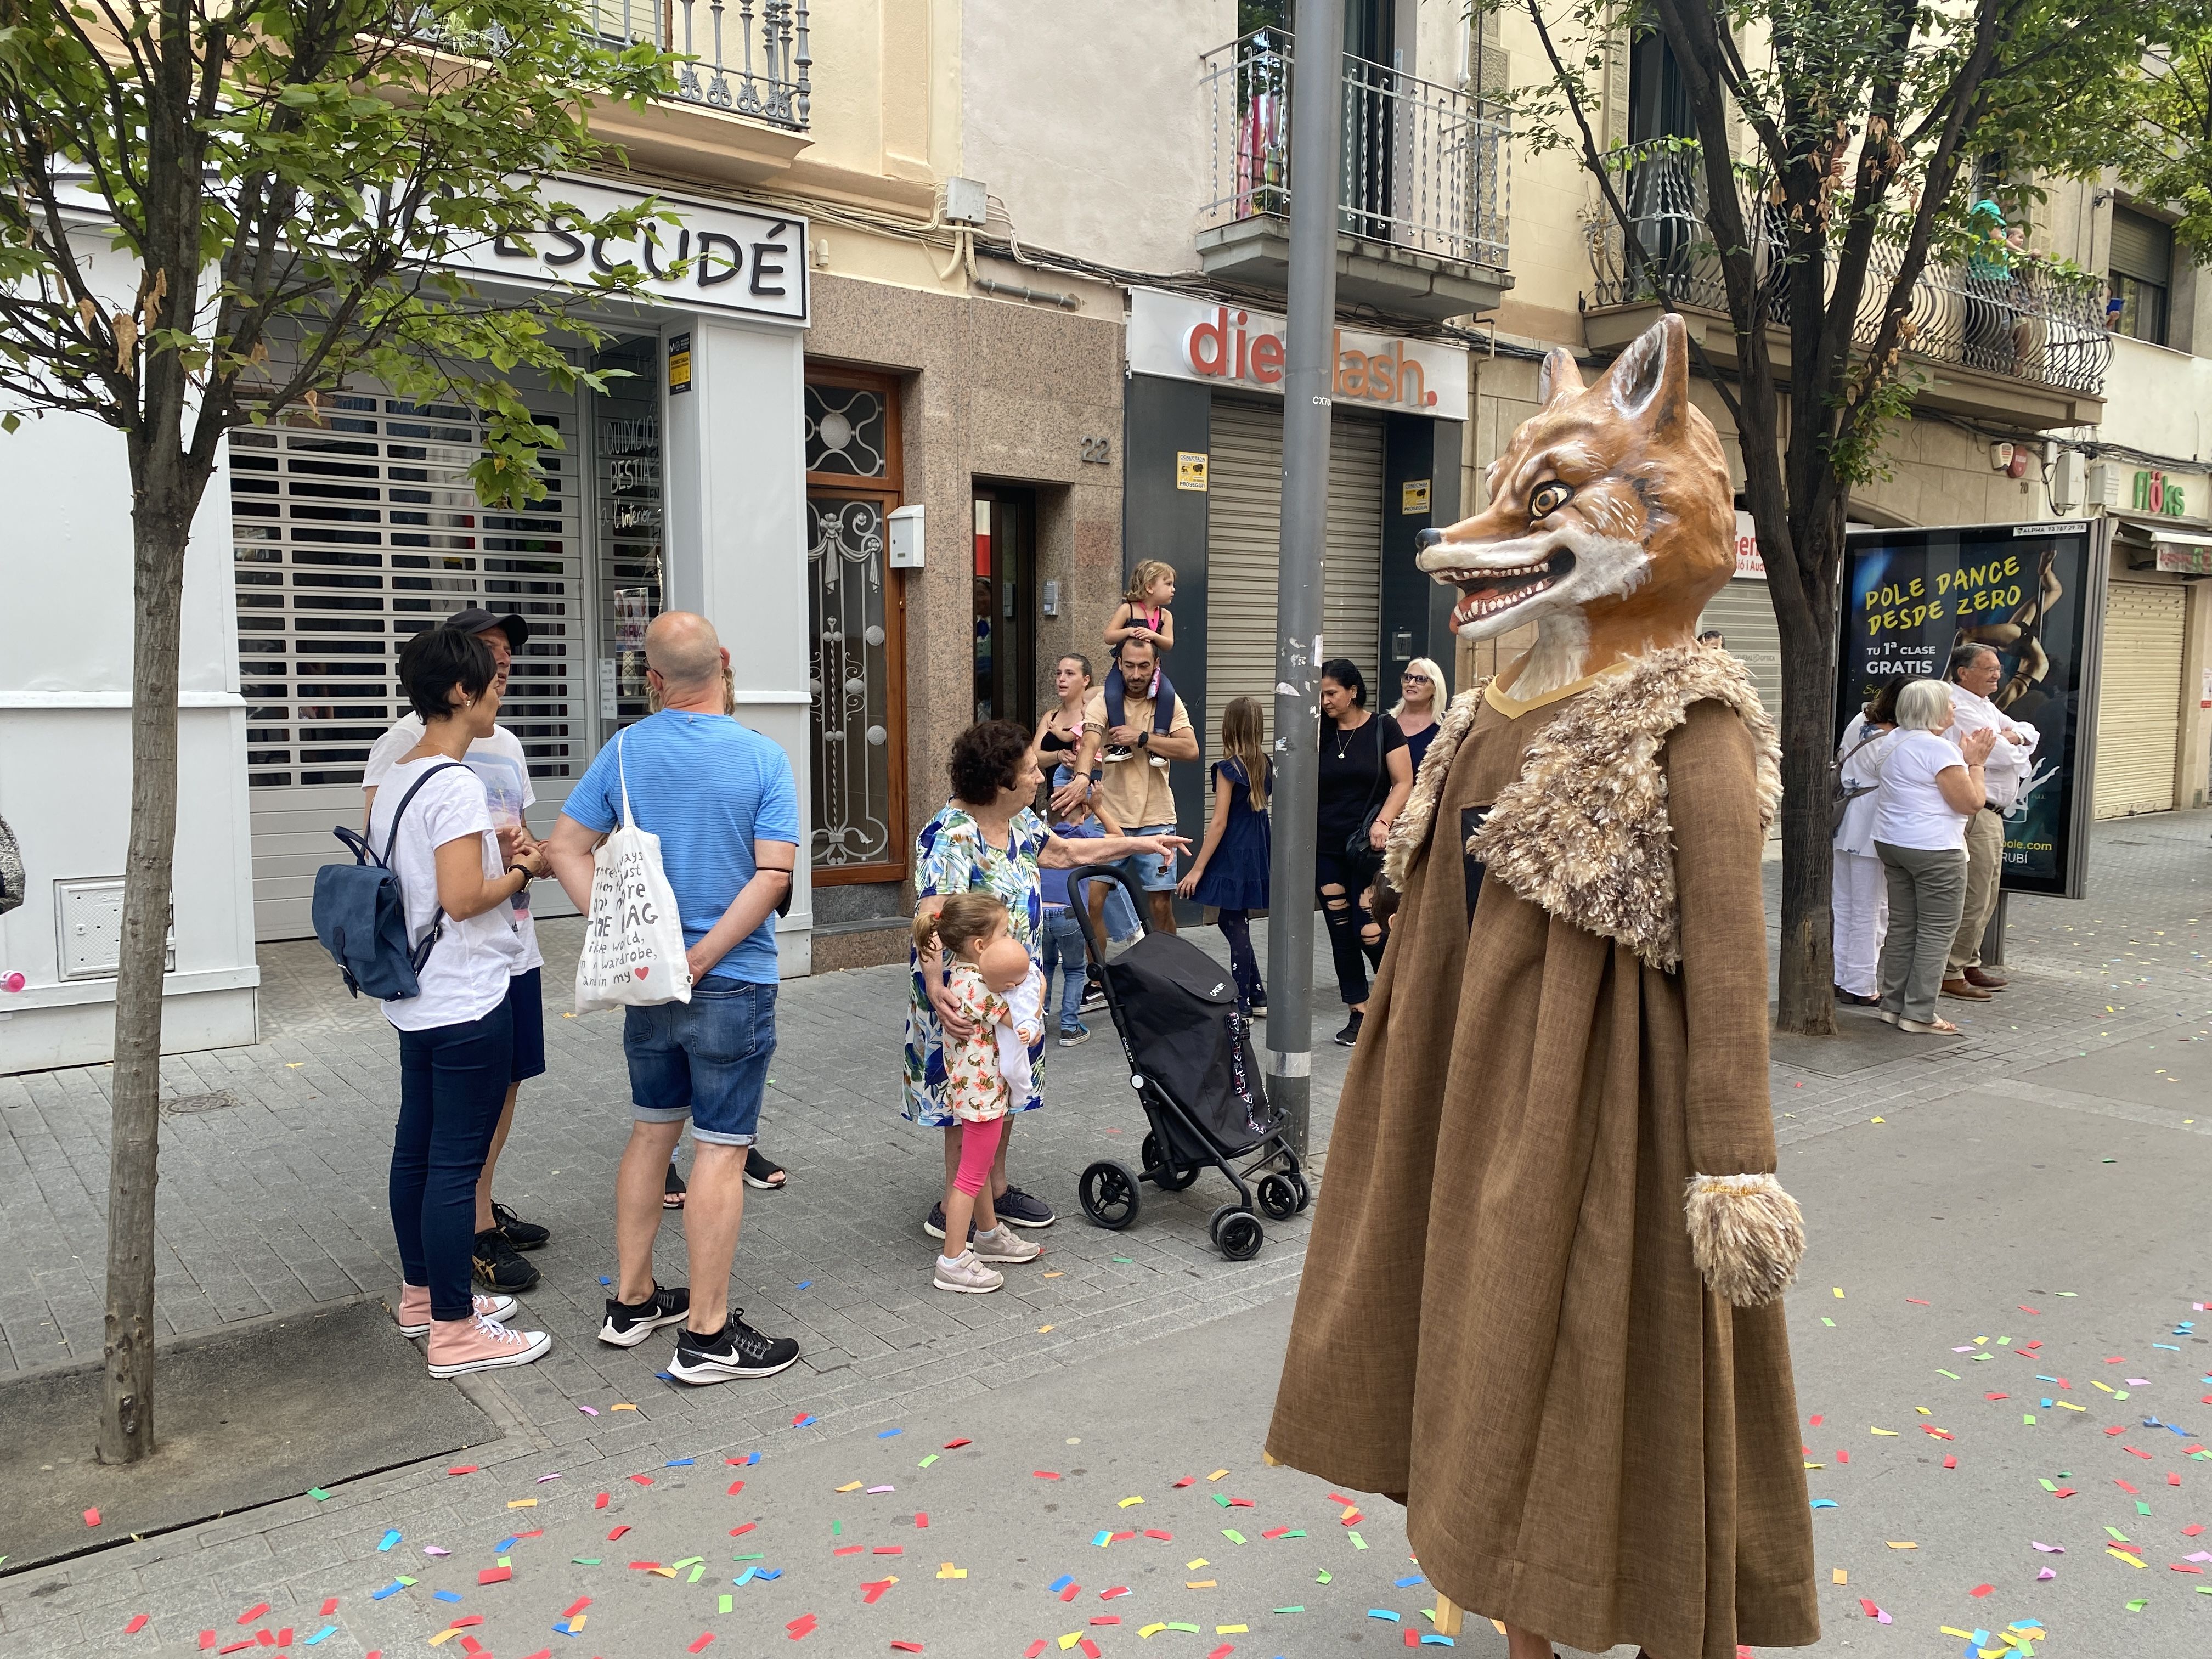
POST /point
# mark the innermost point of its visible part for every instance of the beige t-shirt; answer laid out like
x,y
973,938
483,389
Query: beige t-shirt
x,y
1135,792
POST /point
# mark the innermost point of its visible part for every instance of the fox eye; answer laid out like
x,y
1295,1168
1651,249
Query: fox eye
x,y
1548,498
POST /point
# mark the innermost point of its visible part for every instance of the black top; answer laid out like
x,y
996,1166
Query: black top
x,y
1052,743
1354,776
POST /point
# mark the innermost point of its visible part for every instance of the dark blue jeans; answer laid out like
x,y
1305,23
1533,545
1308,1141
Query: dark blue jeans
x,y
452,1082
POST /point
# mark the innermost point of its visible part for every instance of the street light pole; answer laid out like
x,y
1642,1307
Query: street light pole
x,y
1308,382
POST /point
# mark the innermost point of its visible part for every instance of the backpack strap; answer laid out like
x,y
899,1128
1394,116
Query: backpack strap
x,y
421,953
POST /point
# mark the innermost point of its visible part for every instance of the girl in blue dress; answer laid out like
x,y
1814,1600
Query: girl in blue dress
x,y
1231,871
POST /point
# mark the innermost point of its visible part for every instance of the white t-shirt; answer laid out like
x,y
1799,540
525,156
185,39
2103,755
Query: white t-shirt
x,y
500,765
466,973
1910,810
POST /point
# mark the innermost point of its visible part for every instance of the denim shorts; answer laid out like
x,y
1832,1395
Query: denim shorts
x,y
1154,872
706,1059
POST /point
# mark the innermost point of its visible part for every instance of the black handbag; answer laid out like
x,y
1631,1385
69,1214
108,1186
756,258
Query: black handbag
x,y
1359,854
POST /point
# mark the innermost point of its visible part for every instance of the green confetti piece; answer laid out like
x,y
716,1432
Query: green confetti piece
x,y
2139,1603
1358,1542
836,1528
1193,1629
1128,1259
756,1556
926,1461
1830,1324
2119,1394
319,1494
1954,1375
1300,1532
584,1560
1222,1498
2027,1417
506,1561
688,1561
2118,1534
2065,1292
1301,1608
2141,1507
1233,1535
729,1602
2048,1485
1320,1576
697,1573
410,1583
2003,1342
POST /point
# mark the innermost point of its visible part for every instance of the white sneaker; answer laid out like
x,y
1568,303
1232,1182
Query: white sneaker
x,y
968,1276
1002,1244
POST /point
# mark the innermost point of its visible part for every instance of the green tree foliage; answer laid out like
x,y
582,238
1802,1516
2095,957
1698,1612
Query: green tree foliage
x,y
215,213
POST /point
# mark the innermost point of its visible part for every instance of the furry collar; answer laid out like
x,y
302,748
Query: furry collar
x,y
1584,831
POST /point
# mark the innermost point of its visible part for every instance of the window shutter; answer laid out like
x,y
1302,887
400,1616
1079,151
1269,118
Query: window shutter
x,y
2141,247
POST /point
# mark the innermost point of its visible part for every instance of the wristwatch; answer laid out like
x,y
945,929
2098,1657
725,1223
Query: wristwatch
x,y
1143,740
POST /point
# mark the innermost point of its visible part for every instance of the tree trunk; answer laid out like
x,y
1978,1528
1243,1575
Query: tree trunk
x,y
161,520
1805,1001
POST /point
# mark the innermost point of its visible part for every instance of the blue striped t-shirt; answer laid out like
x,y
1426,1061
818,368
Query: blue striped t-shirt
x,y
709,789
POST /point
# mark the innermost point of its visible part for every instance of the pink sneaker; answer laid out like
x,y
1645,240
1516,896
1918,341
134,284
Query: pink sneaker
x,y
478,1345
415,1309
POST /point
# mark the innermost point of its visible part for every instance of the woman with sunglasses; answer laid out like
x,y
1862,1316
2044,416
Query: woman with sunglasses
x,y
1416,710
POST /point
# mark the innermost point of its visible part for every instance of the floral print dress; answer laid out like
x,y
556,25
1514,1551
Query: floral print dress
x,y
952,856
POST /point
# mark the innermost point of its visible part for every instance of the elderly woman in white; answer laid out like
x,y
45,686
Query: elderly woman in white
x,y
1930,787
1859,889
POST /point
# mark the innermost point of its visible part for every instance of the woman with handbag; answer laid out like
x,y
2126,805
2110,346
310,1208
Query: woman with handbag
x,y
1859,889
1366,775
456,1035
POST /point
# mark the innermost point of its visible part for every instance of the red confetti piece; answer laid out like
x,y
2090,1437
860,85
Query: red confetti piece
x,y
643,1566
906,1647
495,1575
92,1517
1981,1590
2143,1455
848,1549
955,1445
801,1418
1997,1396
138,1622
1071,1592
1192,1480
1274,1532
284,1636
252,1612
1242,1504
1339,1498
1842,1457
330,1606
891,1549
873,1592
802,1626
464,1624
2025,1309
922,1518
576,1606
1107,1619
1089,1647
1350,1520
2117,1428
600,1502
462,1468
2183,1566
699,1642
535,1532
2173,1479
207,1640
1045,1474
739,1532
1939,1434
1231,1647
1165,1537
642,1480
617,1532
2191,1531
2124,1487
1950,1462
736,1487
1035,1649
236,1646
2063,1492
1818,1421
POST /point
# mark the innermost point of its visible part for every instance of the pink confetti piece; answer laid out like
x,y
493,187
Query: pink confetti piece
x,y
432,1549
2049,1549
1873,1612
589,1410
2136,1382
543,1478
2044,1574
874,1490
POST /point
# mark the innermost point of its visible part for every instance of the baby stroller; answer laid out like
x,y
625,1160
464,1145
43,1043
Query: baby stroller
x,y
1190,1049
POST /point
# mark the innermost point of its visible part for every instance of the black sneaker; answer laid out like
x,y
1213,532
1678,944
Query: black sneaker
x,y
1349,1037
523,1235
628,1324
1094,995
1019,1208
672,1190
1117,751
739,1351
498,1267
935,1225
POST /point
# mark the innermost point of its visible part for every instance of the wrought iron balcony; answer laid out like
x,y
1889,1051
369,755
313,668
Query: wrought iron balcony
x,y
1421,190
2002,313
748,57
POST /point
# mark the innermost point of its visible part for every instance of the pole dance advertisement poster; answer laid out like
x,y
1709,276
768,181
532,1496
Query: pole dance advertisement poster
x,y
2028,590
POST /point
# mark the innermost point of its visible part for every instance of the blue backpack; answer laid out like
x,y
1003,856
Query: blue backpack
x,y
361,912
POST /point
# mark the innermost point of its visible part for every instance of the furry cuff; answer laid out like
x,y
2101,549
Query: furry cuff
x,y
1746,1236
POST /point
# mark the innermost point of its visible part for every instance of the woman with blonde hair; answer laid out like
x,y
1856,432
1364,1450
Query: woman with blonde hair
x,y
1416,710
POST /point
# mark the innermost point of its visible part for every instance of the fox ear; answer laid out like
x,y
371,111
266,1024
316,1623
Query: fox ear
x,y
1650,381
1558,378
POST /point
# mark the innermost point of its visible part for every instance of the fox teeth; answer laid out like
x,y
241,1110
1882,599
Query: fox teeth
x,y
1480,608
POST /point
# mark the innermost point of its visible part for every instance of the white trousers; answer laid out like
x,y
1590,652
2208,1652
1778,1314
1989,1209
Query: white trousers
x,y
1860,904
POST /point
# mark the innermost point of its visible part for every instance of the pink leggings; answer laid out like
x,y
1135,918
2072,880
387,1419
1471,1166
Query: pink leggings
x,y
979,1145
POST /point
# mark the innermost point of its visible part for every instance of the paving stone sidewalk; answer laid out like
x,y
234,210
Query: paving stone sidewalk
x,y
273,1181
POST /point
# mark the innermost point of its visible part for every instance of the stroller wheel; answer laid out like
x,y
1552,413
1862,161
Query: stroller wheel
x,y
1278,1197
1237,1233
1109,1195
1164,1175
1305,1193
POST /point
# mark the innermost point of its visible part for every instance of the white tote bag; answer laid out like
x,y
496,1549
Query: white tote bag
x,y
632,954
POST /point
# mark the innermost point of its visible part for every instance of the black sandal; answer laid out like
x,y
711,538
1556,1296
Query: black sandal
x,y
672,1190
762,1172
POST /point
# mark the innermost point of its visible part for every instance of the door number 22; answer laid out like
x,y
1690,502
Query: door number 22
x,y
1096,451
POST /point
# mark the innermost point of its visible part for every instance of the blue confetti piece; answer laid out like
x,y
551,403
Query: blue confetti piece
x,y
771,1572
1824,1503
390,1539
503,1546
560,1627
390,1589
1103,1539
806,1422
751,1458
665,1376
322,1635
2045,1404
1059,1584
2168,1346
1409,1583
802,1283
604,1279
745,1577
1383,1613
888,1433
679,1463
1433,1640
446,1595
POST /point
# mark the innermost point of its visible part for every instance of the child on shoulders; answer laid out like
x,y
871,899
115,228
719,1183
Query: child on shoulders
x,y
1143,615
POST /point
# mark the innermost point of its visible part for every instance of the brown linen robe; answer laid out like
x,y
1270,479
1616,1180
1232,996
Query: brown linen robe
x,y
1499,1317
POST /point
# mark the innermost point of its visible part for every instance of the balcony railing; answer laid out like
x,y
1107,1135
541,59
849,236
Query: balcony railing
x,y
1423,165
748,57
2003,312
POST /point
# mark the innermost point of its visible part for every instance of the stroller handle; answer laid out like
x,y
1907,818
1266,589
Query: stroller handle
x,y
1081,900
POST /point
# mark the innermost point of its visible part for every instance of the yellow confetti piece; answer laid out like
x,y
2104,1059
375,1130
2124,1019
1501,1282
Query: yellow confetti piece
x,y
1055,1274
2132,1560
1070,1640
576,1623
294,1065
1839,1576
2107,1387
1816,1465
1041,1329
522,1503
1152,1629
948,1571
2068,1405
850,1486
1839,1290
1896,1546
1192,1566
1201,1584
1128,1503
665,1572
622,1405
1965,1634
1891,1433
1924,1410
443,1636
1232,1630
1216,1474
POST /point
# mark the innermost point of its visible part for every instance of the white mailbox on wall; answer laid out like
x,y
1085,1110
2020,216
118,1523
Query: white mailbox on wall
x,y
906,537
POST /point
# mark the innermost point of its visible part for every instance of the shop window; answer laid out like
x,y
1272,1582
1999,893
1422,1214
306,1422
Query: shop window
x,y
2142,275
855,673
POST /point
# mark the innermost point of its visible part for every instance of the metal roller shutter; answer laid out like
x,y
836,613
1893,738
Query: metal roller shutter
x,y
356,528
1743,612
1243,545
2139,698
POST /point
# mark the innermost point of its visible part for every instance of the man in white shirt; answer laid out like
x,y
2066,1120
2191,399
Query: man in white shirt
x,y
499,761
1976,672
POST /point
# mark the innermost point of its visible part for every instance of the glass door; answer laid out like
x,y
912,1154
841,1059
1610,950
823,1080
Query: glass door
x,y
1006,605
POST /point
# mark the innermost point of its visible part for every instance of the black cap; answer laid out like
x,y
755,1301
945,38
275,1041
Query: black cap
x,y
477,620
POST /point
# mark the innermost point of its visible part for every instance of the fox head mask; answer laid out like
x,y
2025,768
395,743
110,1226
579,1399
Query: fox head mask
x,y
1610,521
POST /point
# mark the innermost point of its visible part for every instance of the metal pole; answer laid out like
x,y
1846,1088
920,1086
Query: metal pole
x,y
1308,380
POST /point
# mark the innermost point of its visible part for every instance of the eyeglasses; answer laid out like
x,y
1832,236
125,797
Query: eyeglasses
x,y
1416,679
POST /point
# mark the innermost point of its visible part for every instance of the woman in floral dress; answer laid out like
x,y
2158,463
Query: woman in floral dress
x,y
987,838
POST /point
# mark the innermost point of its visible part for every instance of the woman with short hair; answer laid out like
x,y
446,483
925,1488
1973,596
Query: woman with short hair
x,y
1930,787
987,838
1858,888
